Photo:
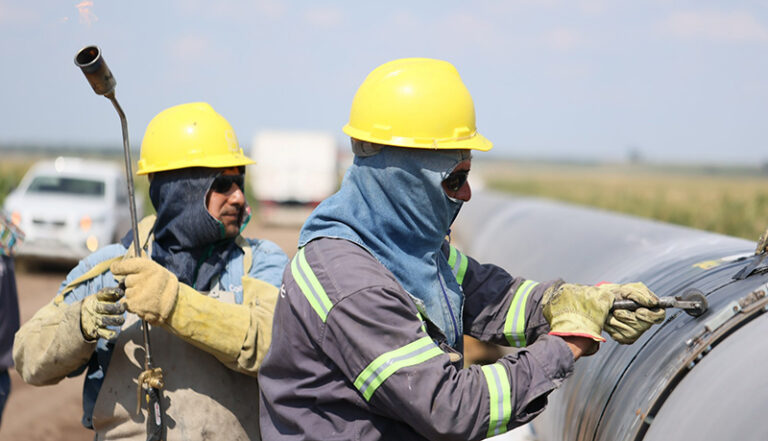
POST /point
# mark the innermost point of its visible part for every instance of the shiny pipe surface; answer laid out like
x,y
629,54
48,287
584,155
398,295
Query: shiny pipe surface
x,y
690,378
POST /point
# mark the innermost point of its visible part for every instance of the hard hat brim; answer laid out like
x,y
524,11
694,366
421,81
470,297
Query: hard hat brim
x,y
212,162
475,141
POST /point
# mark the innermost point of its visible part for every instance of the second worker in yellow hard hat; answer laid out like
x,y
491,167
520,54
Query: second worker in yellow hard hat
x,y
376,301
207,292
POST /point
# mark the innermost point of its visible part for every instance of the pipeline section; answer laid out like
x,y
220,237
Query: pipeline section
x,y
688,379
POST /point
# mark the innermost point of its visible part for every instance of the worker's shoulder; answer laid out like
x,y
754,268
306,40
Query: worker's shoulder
x,y
346,268
93,267
101,255
263,246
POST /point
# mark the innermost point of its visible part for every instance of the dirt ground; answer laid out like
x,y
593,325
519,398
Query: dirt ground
x,y
53,412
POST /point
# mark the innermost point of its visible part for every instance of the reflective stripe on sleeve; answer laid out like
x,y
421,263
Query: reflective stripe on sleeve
x,y
500,403
458,263
390,362
310,286
514,325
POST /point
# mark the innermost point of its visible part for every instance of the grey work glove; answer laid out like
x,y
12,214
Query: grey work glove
x,y
626,326
101,310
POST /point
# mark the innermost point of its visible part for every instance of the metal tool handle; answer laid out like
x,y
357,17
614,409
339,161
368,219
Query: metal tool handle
x,y
95,69
692,301
664,302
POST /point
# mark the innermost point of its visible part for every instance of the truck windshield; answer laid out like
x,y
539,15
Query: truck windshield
x,y
62,185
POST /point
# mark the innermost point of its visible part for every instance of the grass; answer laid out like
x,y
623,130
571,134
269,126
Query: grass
x,y
11,172
728,201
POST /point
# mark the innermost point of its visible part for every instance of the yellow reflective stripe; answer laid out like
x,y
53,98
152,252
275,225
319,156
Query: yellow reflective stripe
x,y
458,263
423,323
390,362
514,325
310,286
462,268
452,256
500,402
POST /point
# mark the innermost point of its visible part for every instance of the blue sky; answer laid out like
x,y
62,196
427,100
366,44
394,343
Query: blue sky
x,y
579,79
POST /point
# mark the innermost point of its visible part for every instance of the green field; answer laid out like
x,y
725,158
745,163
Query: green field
x,y
11,172
732,201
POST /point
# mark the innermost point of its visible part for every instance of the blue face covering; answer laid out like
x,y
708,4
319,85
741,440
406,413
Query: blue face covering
x,y
393,205
189,242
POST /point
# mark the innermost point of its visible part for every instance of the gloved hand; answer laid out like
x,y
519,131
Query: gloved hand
x,y
155,294
626,326
577,310
101,310
150,289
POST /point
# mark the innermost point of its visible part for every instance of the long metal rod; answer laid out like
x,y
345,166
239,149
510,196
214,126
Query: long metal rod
x,y
95,69
132,204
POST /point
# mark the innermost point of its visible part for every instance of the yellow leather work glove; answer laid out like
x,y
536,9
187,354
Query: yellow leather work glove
x,y
150,289
577,310
626,326
155,294
211,325
100,310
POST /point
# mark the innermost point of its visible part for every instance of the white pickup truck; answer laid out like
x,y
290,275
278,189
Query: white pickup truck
x,y
69,207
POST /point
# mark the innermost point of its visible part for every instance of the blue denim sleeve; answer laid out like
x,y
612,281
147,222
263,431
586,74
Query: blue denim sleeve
x,y
97,365
269,261
91,286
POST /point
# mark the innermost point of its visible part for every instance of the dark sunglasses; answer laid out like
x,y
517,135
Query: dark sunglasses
x,y
456,180
223,183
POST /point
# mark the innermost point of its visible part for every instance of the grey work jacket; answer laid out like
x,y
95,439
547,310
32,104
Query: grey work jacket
x,y
353,358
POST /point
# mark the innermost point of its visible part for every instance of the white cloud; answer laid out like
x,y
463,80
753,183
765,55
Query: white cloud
x,y
191,49
271,9
234,10
468,30
15,13
563,39
594,7
323,17
713,25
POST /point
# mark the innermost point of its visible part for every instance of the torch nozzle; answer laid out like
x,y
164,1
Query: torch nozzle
x,y
90,61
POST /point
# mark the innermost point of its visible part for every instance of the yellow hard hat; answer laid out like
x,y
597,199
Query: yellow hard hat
x,y
418,103
189,135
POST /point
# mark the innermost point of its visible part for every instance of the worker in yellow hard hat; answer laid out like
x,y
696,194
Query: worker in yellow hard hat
x,y
376,302
207,292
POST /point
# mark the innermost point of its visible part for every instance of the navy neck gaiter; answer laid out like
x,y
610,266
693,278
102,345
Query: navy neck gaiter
x,y
189,242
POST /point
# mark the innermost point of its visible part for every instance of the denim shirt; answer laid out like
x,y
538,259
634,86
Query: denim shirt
x,y
269,261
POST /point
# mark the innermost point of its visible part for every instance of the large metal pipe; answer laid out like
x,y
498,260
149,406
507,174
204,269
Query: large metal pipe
x,y
691,378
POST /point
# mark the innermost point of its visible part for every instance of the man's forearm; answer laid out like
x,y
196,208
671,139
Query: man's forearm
x,y
51,345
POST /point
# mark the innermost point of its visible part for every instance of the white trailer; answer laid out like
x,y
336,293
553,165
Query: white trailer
x,y
294,171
